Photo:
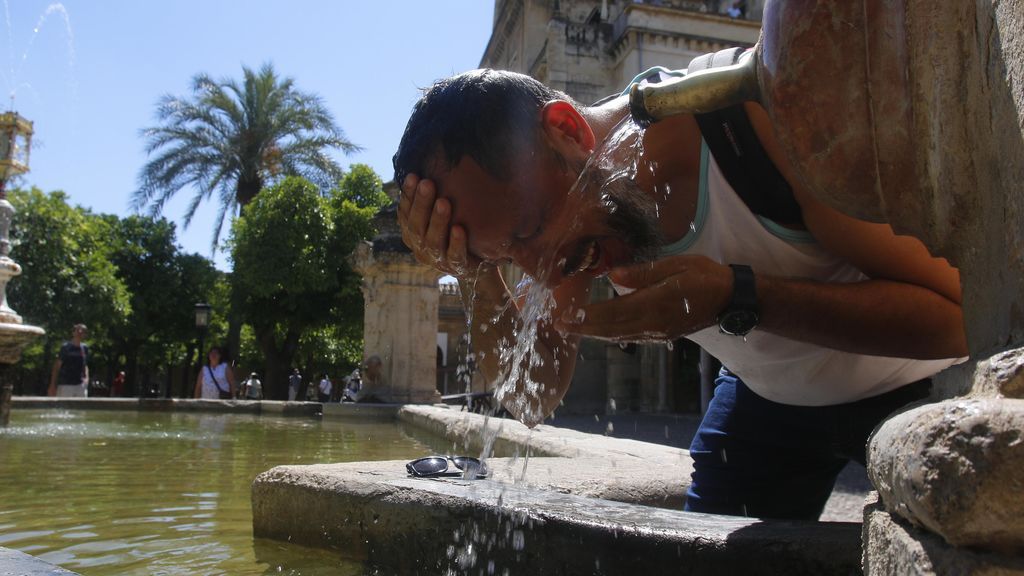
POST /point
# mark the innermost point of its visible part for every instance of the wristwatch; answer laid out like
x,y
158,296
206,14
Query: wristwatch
x,y
740,316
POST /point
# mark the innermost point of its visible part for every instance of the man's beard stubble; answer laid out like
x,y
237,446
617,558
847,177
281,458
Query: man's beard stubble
x,y
631,215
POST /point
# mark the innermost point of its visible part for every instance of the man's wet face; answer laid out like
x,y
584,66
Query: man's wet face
x,y
549,221
628,216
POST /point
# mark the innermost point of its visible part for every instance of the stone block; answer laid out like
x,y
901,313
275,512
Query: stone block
x,y
1001,375
373,512
14,563
472,431
895,548
352,410
957,469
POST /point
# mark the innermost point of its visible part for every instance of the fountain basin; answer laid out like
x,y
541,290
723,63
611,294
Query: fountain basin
x,y
373,512
581,503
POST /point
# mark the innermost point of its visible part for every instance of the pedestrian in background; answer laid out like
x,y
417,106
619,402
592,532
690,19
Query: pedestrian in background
x,y
117,389
70,375
294,383
325,390
253,388
215,380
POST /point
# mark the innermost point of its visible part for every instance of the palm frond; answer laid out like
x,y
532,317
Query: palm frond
x,y
229,130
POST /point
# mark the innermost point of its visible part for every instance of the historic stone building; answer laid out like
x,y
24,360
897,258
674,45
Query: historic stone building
x,y
590,49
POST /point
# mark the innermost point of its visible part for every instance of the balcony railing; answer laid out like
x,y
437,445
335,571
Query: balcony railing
x,y
621,23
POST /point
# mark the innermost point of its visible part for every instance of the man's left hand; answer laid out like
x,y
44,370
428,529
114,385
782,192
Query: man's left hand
x,y
673,297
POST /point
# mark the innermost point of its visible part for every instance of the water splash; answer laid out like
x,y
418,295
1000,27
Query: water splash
x,y
519,356
16,65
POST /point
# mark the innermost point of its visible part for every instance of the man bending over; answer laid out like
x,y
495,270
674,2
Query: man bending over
x,y
824,325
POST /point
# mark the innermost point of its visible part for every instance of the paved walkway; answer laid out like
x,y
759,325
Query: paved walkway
x,y
845,505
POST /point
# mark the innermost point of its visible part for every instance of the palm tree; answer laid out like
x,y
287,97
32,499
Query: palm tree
x,y
233,139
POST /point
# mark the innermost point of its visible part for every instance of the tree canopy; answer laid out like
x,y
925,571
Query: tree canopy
x,y
291,261
232,139
126,279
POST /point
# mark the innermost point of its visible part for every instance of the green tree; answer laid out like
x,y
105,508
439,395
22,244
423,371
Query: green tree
x,y
290,256
67,276
232,139
361,186
164,285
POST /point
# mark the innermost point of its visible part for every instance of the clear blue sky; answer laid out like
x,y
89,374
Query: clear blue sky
x,y
367,59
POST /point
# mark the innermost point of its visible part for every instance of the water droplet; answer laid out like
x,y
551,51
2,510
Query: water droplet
x,y
581,314
686,305
596,419
666,432
693,227
609,429
611,405
669,345
725,459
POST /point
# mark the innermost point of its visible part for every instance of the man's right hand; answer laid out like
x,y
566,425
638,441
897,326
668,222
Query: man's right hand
x,y
426,226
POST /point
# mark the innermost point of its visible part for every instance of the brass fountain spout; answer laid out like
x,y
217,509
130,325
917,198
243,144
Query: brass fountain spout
x,y
697,93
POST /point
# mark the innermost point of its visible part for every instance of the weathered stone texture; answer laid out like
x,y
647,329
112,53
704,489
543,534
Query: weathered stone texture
x,y
966,71
14,563
956,468
893,548
1001,375
373,512
400,320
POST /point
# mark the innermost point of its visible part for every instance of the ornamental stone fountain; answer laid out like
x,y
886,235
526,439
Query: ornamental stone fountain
x,y
15,142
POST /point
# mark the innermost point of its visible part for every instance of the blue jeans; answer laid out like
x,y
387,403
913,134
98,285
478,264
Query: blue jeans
x,y
754,457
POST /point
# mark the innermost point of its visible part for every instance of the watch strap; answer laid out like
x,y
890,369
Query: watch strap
x,y
744,289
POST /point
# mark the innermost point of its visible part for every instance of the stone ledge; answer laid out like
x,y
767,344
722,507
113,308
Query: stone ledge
x,y
14,563
147,404
276,407
894,548
373,512
350,409
470,431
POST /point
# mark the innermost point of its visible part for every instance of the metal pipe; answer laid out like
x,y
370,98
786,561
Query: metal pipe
x,y
697,93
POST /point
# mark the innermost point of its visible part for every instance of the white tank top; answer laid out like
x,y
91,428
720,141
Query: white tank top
x,y
209,387
776,367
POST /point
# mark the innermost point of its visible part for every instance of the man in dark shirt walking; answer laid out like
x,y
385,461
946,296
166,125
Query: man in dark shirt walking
x,y
70,376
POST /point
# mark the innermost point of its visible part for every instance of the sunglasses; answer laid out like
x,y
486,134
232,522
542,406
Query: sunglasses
x,y
436,466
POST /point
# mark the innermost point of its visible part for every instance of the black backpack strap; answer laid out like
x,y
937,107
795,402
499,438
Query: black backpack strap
x,y
215,381
737,151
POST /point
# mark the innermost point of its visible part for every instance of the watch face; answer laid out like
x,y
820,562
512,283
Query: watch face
x,y
738,322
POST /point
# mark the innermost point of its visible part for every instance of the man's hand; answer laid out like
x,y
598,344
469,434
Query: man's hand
x,y
425,221
674,297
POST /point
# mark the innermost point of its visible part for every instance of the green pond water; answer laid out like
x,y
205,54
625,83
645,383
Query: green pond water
x,y
168,493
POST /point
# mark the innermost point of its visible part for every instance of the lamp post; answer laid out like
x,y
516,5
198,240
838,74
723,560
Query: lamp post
x,y
202,311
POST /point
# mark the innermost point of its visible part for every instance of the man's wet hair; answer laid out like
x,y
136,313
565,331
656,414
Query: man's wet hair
x,y
484,114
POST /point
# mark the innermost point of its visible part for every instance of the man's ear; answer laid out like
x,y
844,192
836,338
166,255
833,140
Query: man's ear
x,y
566,127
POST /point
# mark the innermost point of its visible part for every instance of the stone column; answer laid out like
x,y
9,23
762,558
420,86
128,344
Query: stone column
x,y
950,475
400,319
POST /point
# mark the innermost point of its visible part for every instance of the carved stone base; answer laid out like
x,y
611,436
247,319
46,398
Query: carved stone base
x,y
957,469
893,547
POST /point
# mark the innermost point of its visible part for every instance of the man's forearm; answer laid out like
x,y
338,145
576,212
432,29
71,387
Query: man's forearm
x,y
877,317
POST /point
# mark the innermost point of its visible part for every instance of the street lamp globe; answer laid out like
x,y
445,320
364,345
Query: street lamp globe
x,y
202,315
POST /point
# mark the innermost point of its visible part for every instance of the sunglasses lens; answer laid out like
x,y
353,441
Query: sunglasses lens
x,y
429,465
468,464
